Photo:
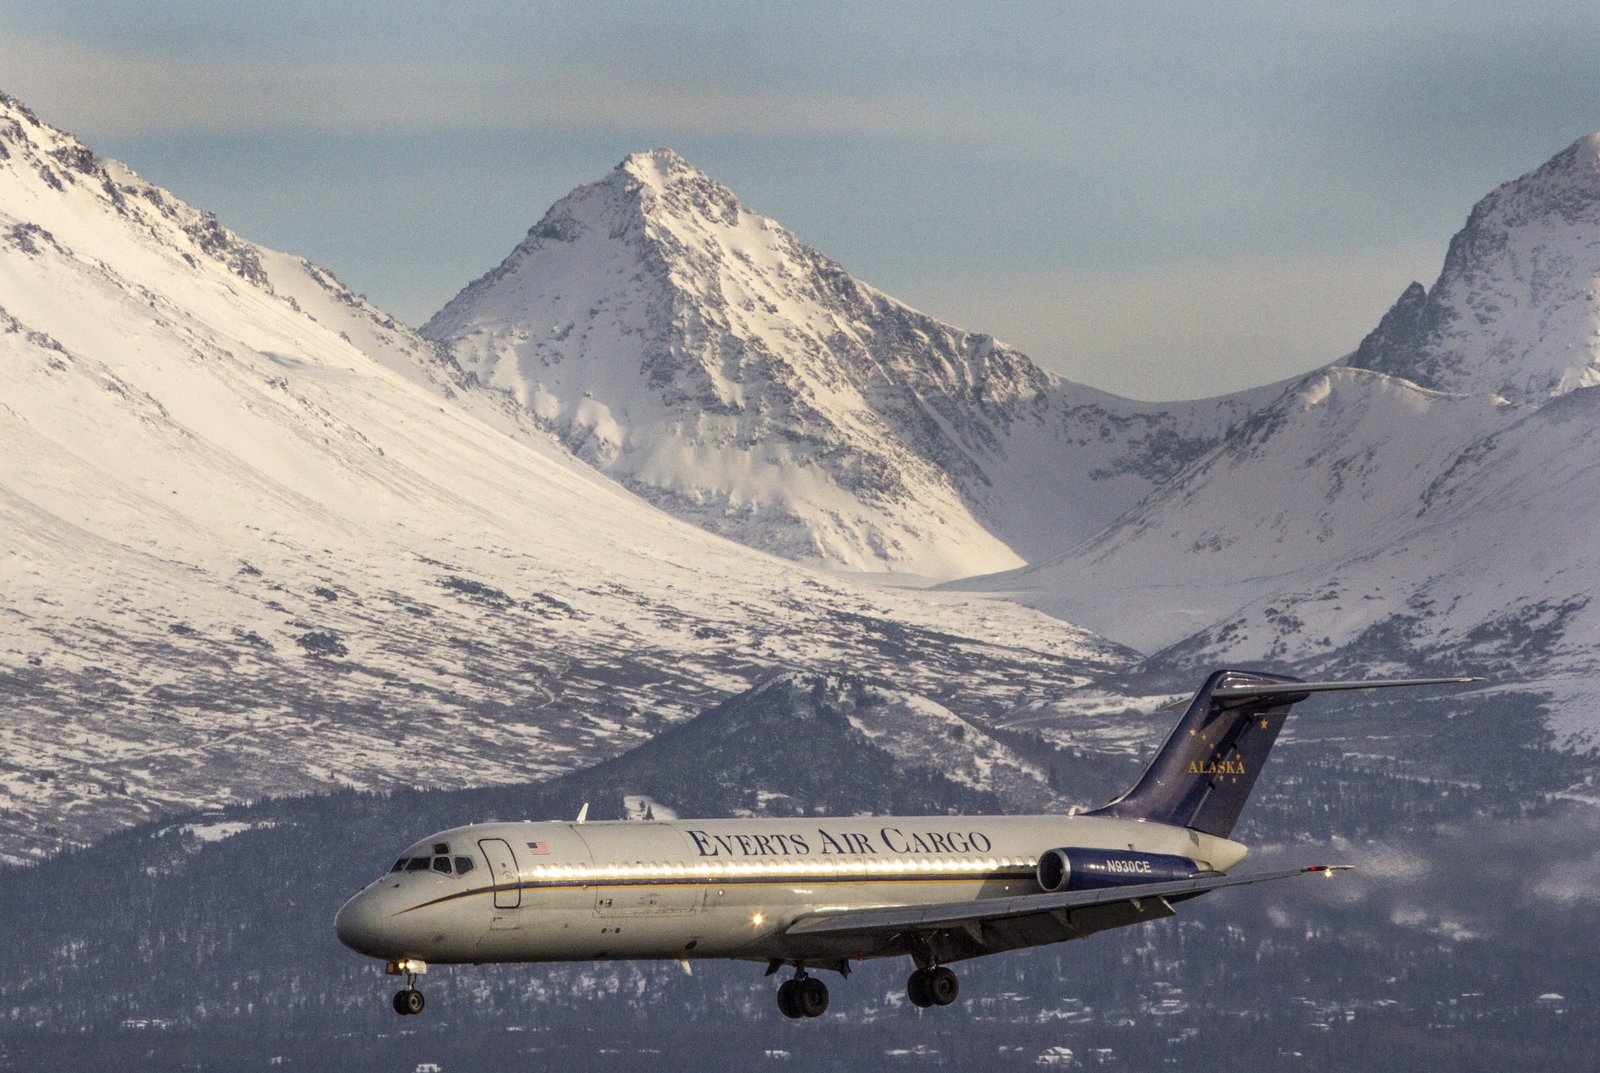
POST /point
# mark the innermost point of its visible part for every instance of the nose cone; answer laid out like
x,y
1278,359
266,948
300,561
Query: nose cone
x,y
360,925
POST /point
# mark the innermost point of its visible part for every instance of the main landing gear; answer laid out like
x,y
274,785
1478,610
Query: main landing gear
x,y
936,986
803,996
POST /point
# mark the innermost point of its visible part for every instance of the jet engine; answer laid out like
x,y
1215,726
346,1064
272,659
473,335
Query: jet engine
x,y
1073,868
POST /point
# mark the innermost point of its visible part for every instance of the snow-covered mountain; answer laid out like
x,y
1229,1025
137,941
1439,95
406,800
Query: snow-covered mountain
x,y
706,358
1429,502
1515,311
262,539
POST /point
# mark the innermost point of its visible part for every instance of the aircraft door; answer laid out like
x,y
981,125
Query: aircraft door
x,y
503,865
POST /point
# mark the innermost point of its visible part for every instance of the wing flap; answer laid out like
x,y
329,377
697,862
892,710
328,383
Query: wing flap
x,y
994,924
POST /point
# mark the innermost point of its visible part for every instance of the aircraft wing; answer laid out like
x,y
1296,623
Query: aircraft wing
x,y
961,930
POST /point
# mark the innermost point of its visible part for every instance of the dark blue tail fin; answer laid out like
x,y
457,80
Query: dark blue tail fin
x,y
1204,773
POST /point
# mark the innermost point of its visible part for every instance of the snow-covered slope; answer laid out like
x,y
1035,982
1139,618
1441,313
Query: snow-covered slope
x,y
1333,470
1516,309
1488,565
261,539
706,358
1361,525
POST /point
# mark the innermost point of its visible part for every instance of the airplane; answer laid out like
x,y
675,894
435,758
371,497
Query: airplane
x,y
819,893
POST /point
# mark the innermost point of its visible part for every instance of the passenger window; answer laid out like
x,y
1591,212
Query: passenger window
x,y
441,864
463,865
418,864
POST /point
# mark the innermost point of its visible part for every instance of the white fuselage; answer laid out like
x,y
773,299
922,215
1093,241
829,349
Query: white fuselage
x,y
710,888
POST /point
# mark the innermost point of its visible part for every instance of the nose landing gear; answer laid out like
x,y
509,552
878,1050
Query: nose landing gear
x,y
936,986
803,996
408,1001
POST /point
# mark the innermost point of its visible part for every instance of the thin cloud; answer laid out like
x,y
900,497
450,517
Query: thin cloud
x,y
92,86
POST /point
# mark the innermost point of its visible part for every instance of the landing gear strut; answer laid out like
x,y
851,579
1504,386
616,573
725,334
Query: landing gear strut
x,y
935,986
803,996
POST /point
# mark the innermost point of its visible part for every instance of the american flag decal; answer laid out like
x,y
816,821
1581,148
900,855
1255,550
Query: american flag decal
x,y
539,847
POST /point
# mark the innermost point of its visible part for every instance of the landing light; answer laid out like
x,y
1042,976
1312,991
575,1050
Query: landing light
x,y
404,966
757,920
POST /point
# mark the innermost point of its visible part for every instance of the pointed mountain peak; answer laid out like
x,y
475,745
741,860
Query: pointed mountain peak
x,y
712,362
1566,188
709,360
1513,312
662,182
1582,156
658,167
654,185
1578,162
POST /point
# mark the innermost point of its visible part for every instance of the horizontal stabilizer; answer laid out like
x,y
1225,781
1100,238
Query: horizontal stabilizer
x,y
1301,689
1278,689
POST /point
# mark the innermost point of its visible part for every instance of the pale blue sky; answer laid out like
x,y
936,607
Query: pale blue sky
x,y
1161,199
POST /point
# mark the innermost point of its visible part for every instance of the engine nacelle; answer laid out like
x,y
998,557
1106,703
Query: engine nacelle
x,y
1072,868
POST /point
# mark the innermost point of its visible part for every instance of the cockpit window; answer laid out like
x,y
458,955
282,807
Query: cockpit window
x,y
443,864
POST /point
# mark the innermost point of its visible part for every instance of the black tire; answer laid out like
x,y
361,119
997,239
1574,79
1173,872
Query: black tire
x,y
788,1002
408,1002
811,996
943,987
917,990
